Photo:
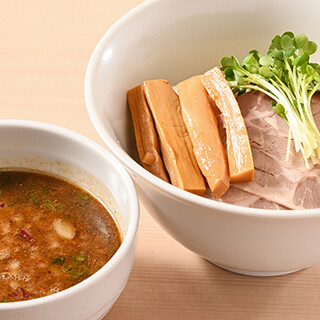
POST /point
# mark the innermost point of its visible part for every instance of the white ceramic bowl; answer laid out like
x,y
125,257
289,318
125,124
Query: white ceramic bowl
x,y
174,39
61,152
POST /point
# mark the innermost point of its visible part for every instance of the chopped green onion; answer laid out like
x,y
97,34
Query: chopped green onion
x,y
58,260
79,257
43,192
12,204
34,199
76,272
84,196
4,300
53,206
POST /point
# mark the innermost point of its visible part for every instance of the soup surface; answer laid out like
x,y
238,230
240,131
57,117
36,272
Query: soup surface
x,y
53,235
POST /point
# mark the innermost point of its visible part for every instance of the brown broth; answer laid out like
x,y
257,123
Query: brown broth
x,y
37,257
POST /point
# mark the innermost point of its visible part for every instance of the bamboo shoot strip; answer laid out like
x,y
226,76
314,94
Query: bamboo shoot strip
x,y
175,141
238,145
146,136
202,127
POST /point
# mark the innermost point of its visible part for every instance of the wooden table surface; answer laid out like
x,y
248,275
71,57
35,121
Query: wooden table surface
x,y
44,50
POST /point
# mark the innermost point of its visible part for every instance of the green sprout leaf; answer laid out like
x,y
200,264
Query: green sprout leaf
x,y
279,109
288,52
301,58
311,47
276,42
289,34
279,55
310,71
256,54
266,61
229,74
265,72
287,76
286,41
301,41
250,62
227,62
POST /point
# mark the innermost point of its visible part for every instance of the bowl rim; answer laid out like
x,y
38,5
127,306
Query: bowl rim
x,y
115,146
133,222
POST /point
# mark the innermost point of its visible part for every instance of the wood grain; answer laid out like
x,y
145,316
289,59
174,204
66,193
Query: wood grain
x,y
45,48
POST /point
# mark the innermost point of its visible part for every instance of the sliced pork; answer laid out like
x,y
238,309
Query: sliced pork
x,y
246,199
289,184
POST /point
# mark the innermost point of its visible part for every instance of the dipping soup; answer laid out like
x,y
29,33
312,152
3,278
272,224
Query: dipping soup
x,y
53,235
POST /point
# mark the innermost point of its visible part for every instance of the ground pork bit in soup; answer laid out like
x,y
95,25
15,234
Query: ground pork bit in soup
x,y
53,235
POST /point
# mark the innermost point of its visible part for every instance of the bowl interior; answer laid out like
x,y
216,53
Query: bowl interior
x,y
175,39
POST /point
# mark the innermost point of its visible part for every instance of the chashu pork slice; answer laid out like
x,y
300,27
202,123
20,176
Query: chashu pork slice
x,y
202,127
175,141
238,145
246,199
146,136
288,183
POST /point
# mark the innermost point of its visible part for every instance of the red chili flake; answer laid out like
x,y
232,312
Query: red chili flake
x,y
19,293
24,294
15,293
2,205
25,234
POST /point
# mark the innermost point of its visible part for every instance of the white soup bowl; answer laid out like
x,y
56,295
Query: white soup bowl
x,y
173,40
58,151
